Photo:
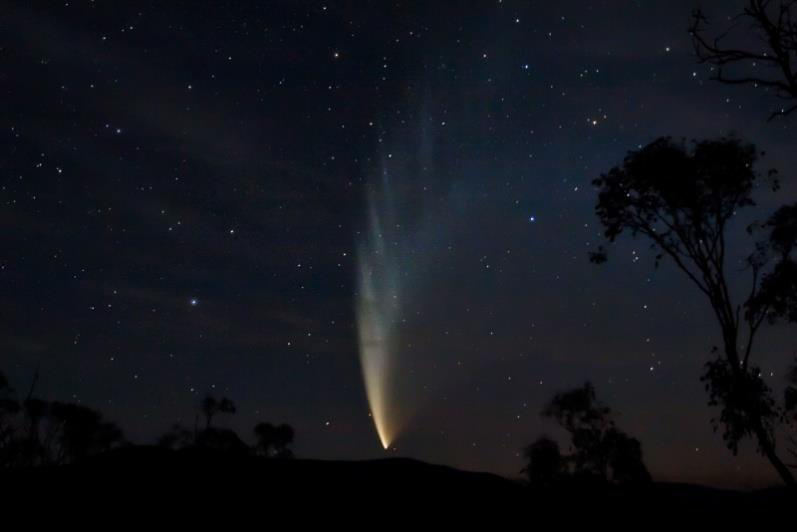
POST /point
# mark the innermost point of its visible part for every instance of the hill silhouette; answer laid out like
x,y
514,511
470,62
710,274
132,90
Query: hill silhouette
x,y
213,480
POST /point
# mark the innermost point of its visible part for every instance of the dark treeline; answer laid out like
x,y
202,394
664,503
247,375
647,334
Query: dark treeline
x,y
599,457
35,432
271,441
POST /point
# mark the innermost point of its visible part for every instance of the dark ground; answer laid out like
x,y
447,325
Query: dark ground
x,y
215,484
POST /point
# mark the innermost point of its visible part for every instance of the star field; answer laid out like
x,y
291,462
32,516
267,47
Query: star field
x,y
184,186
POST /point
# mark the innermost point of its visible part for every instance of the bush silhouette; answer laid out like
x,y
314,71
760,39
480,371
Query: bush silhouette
x,y
600,452
222,440
78,431
36,432
212,406
546,466
272,441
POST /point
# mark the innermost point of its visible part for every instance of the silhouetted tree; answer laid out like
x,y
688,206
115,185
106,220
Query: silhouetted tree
x,y
77,431
790,407
9,410
766,58
32,450
5,388
178,437
625,458
38,432
682,201
600,451
212,406
273,441
580,413
579,409
546,465
224,440
219,439
777,298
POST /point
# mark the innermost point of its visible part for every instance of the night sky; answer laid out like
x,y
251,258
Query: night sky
x,y
185,191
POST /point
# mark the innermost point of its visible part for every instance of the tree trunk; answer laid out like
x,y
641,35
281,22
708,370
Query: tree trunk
x,y
765,443
768,450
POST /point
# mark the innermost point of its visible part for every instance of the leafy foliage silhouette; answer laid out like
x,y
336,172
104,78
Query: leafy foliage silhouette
x,y
682,200
212,406
546,466
37,432
790,407
178,437
600,452
273,441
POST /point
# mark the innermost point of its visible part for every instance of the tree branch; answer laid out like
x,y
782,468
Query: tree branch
x,y
779,34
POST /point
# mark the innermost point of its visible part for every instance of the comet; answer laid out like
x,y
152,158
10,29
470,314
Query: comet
x,y
377,310
404,226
